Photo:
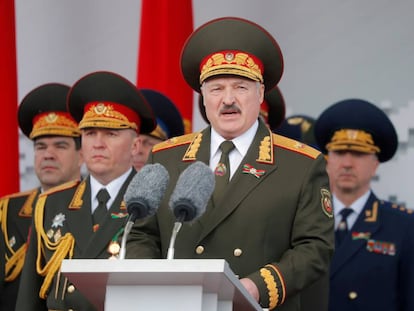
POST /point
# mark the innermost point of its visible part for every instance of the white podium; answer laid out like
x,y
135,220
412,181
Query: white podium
x,y
159,284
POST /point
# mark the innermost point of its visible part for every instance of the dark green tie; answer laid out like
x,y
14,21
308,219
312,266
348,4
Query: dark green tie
x,y
101,211
222,170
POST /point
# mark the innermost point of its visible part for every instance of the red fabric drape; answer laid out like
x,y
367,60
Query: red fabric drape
x,y
165,25
9,177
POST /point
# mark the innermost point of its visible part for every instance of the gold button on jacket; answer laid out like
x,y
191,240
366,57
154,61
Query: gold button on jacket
x,y
71,289
199,250
237,252
352,295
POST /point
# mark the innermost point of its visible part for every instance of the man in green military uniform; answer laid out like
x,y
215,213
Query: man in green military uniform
x,y
85,219
273,223
43,118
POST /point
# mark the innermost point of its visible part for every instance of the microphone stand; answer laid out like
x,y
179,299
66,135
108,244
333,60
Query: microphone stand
x,y
137,210
176,229
127,229
181,215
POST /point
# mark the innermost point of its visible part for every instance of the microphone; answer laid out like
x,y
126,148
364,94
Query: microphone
x,y
143,196
189,199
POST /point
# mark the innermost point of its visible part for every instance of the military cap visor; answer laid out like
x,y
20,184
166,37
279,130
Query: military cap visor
x,y
368,128
169,119
276,108
103,91
42,112
273,106
236,34
299,127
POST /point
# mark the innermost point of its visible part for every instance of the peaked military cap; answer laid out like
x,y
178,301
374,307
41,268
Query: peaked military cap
x,y
169,120
231,46
299,127
272,109
358,125
42,112
107,100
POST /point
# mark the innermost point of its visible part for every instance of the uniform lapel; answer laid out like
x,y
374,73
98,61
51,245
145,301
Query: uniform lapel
x,y
100,240
241,185
368,222
79,221
24,215
199,148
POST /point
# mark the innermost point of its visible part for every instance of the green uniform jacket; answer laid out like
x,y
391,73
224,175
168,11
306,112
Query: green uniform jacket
x,y
16,217
275,228
67,209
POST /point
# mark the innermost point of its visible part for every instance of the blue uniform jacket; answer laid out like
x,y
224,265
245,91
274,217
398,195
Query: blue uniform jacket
x,y
373,268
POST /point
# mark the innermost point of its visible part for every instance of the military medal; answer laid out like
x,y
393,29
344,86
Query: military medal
x,y
113,249
119,215
57,235
58,220
248,169
50,233
95,227
381,247
361,235
12,241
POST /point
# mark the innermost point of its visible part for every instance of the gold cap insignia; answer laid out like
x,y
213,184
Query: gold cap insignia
x,y
352,139
231,62
54,123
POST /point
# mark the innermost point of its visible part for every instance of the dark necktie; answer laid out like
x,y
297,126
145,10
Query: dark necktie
x,y
101,211
342,229
222,170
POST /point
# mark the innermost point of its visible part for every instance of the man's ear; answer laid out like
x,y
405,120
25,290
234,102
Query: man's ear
x,y
135,145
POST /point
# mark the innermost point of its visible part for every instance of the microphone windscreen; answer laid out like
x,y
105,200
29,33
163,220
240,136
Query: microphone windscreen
x,y
147,188
194,187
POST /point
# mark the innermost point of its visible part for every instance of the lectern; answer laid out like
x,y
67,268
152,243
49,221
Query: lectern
x,y
159,284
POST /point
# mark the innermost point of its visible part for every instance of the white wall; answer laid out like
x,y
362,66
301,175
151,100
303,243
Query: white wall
x,y
333,50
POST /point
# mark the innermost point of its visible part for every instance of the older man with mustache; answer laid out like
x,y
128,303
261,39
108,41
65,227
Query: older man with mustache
x,y
269,215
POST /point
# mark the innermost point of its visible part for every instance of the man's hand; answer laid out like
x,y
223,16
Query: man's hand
x,y
251,288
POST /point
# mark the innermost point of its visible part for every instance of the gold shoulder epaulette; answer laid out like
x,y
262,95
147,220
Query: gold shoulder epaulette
x,y
174,142
67,185
294,145
19,194
402,208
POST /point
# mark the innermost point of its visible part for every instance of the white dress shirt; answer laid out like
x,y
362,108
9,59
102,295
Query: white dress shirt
x,y
241,143
113,189
357,207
